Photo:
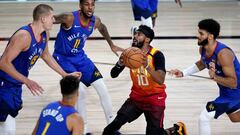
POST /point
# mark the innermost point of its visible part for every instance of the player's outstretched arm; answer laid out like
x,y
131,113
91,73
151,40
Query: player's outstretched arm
x,y
198,66
51,62
103,30
66,19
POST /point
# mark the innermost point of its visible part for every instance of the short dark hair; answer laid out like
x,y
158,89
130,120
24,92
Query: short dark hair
x,y
147,31
69,85
40,10
210,26
81,1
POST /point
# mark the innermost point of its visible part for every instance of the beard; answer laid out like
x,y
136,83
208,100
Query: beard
x,y
203,43
137,44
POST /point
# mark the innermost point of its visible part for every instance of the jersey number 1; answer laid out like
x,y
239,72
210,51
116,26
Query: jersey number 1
x,y
46,128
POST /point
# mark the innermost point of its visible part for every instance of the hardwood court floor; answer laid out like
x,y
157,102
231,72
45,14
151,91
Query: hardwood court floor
x,y
186,96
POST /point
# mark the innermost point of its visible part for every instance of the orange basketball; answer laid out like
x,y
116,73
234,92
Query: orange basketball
x,y
133,57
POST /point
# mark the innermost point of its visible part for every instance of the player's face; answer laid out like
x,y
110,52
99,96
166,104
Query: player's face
x,y
202,37
138,39
87,8
48,21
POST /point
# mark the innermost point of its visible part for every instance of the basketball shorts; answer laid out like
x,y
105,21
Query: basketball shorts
x,y
222,107
10,100
132,110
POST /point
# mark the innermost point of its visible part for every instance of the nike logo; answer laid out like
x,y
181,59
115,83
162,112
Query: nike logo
x,y
34,45
75,26
160,98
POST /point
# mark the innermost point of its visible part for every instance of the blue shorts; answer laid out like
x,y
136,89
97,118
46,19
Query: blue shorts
x,y
10,100
143,8
90,77
222,107
89,71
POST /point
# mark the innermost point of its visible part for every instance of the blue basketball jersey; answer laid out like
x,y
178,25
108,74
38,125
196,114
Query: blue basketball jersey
x,y
71,42
226,94
69,45
53,119
26,59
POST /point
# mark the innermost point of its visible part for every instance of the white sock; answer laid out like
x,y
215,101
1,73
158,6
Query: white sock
x,y
8,127
204,122
147,21
81,106
105,100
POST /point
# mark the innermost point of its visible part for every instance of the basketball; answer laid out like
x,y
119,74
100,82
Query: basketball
x,y
133,57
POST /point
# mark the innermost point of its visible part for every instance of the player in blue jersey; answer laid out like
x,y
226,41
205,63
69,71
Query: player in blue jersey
x,y
146,11
23,50
223,68
60,117
75,28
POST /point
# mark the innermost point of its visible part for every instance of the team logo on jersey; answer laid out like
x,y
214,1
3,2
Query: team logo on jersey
x,y
90,28
33,61
97,73
210,107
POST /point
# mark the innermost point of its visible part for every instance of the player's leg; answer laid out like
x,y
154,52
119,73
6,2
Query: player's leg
x,y
204,120
234,113
127,113
105,99
235,116
154,116
8,127
99,85
147,21
81,106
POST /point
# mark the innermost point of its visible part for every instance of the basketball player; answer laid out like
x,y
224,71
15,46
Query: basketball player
x,y
23,50
61,118
223,68
75,28
146,11
148,91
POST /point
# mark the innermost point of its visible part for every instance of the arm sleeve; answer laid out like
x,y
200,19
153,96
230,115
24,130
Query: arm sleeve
x,y
116,70
159,61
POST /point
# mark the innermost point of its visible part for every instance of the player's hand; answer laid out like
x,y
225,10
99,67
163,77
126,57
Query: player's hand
x,y
34,88
120,61
116,49
179,3
176,73
76,74
212,70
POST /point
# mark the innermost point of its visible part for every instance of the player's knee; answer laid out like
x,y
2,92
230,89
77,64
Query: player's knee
x,y
234,118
